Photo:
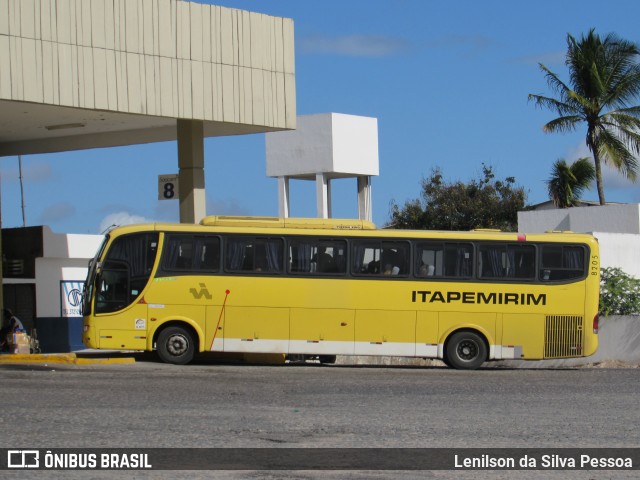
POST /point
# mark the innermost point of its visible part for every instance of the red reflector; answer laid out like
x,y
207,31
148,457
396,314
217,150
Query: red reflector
x,y
522,237
596,323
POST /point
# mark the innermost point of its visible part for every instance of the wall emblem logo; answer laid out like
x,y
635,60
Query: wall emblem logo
x,y
71,298
74,297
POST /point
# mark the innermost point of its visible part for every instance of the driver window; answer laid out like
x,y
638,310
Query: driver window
x,y
113,287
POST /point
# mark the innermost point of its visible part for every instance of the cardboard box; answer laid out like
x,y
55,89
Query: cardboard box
x,y
23,349
19,343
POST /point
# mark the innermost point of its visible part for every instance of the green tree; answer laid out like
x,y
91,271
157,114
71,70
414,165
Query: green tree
x,y
604,83
619,292
567,182
482,203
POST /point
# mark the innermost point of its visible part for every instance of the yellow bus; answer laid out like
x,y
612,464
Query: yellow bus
x,y
326,287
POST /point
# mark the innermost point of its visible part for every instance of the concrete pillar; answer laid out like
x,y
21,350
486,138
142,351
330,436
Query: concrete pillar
x,y
191,164
329,209
283,197
323,196
364,198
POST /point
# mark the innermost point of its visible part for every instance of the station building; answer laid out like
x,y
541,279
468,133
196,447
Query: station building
x,y
100,73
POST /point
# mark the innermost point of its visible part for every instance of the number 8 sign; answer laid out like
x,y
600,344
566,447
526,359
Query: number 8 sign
x,y
168,187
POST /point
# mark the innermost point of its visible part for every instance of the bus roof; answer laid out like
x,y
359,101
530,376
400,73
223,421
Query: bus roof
x,y
348,227
277,222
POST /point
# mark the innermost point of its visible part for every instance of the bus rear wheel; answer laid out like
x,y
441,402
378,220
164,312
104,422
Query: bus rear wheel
x,y
176,345
466,351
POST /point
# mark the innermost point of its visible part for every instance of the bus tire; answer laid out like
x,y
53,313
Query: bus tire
x,y
445,360
176,345
327,359
466,351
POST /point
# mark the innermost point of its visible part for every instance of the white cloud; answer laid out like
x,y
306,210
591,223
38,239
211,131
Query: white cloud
x,y
57,212
547,59
465,46
353,45
121,218
32,171
475,42
226,206
168,212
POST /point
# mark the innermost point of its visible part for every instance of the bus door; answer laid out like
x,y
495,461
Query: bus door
x,y
119,304
123,322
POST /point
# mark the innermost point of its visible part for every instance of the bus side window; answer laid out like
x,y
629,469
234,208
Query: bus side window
x,y
366,258
458,260
177,254
248,259
259,255
322,256
429,259
238,254
525,262
209,257
507,261
191,253
562,262
395,258
380,258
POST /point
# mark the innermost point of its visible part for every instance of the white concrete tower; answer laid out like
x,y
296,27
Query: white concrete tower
x,y
322,148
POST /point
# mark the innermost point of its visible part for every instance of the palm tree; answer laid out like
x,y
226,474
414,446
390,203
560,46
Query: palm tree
x,y
567,182
605,81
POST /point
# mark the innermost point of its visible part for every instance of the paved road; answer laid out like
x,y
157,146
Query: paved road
x,y
220,405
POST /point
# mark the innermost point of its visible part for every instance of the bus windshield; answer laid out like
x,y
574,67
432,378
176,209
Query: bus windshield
x,y
125,271
89,283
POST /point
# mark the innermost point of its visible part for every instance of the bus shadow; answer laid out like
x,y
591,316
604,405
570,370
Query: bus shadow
x,y
237,359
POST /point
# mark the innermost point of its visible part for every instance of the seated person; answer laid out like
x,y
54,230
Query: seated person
x,y
426,271
324,261
391,270
373,267
12,324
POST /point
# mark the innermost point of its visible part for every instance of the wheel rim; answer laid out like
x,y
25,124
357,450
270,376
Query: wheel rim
x,y
467,350
177,345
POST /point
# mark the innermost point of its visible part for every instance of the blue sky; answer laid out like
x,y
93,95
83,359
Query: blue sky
x,y
447,80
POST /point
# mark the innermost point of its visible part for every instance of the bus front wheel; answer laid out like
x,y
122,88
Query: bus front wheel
x,y
176,345
466,351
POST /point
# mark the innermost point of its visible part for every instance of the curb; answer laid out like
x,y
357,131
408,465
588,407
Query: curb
x,y
62,358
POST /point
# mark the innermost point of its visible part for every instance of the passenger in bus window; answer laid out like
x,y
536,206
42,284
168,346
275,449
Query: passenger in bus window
x,y
324,261
426,270
373,267
391,270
